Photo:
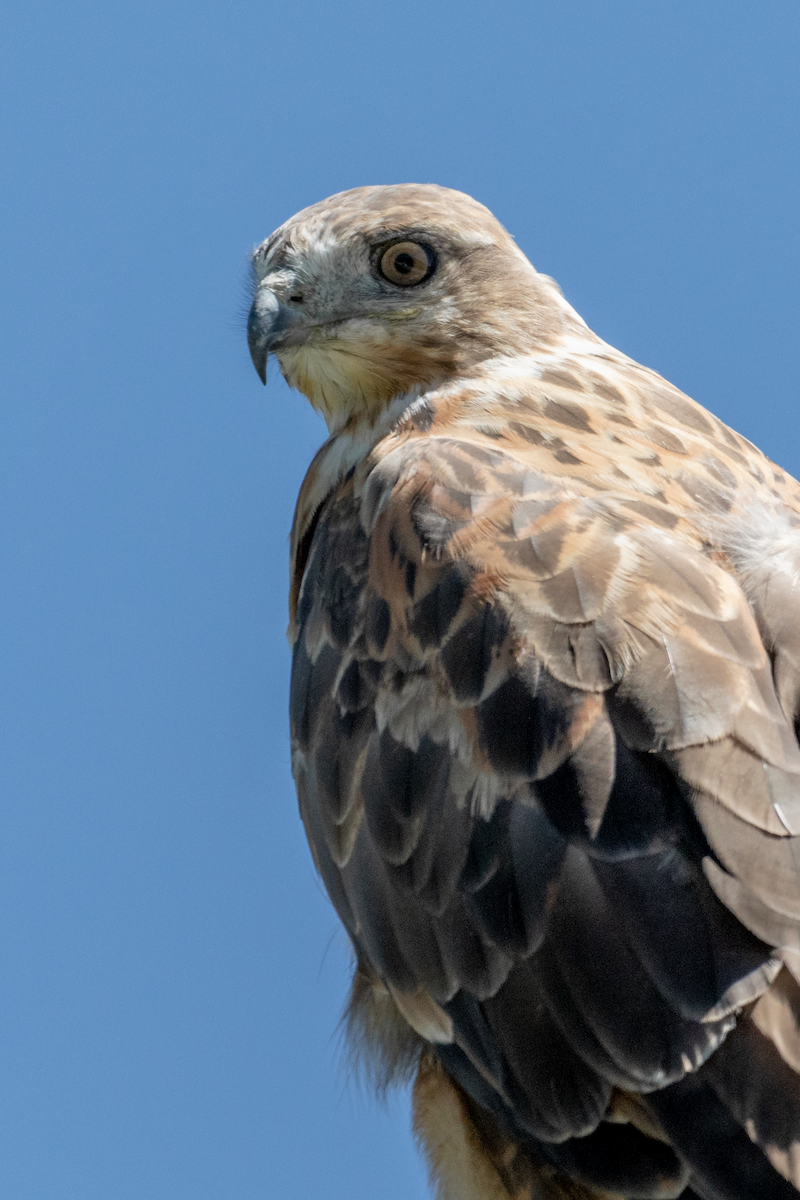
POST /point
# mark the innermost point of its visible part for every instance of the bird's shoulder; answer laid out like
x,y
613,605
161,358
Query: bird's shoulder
x,y
594,419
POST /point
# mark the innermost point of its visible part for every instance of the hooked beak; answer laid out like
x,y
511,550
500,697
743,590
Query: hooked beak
x,y
268,324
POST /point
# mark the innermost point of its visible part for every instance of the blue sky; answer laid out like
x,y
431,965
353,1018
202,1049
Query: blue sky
x,y
171,974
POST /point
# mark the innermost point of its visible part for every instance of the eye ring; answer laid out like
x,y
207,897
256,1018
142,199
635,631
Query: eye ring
x,y
406,263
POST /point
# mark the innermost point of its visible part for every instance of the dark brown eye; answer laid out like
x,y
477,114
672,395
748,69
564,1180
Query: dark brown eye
x,y
406,263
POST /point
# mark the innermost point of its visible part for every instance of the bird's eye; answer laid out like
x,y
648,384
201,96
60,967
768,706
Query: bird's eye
x,y
407,263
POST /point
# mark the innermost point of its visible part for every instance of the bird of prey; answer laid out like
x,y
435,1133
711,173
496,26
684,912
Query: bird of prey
x,y
544,711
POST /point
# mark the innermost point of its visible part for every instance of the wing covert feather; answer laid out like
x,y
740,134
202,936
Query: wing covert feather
x,y
550,786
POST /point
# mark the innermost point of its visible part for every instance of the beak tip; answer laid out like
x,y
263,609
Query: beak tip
x,y
259,353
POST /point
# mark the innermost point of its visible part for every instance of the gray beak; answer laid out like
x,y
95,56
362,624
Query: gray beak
x,y
267,325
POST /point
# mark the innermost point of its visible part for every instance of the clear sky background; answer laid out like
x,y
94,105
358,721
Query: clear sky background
x,y
171,974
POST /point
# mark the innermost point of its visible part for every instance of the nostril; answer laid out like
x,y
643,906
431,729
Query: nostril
x,y
298,299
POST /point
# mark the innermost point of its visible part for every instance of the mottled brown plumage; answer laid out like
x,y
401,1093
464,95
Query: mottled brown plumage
x,y
545,698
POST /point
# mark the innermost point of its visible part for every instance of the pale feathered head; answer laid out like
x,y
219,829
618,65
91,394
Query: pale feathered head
x,y
385,291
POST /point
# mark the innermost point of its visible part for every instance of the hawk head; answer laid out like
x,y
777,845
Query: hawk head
x,y
386,291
